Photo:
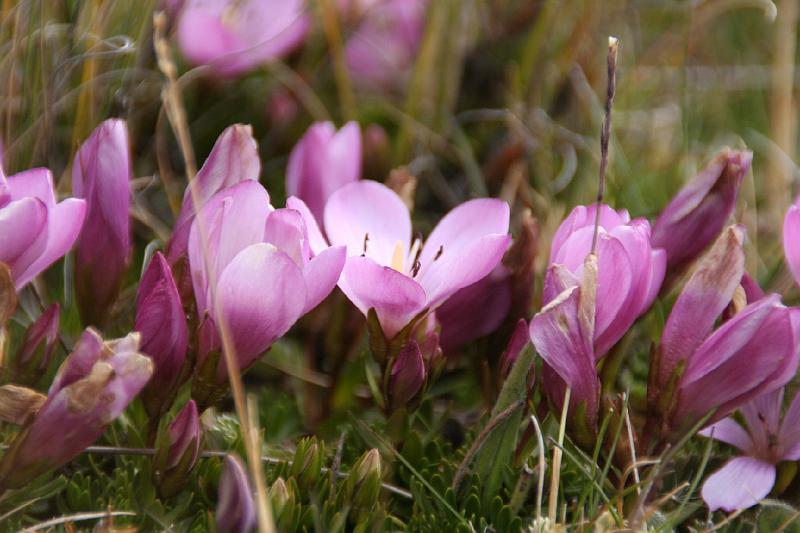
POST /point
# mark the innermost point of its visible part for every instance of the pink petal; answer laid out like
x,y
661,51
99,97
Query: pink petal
x,y
315,239
791,239
741,483
23,234
730,432
233,219
395,297
36,182
581,217
789,436
762,415
367,214
616,286
233,158
287,231
707,292
65,221
321,275
260,295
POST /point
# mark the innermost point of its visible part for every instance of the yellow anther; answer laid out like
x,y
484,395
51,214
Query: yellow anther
x,y
397,257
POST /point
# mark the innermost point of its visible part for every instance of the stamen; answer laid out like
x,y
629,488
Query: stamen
x,y
397,257
415,268
439,252
416,248
366,240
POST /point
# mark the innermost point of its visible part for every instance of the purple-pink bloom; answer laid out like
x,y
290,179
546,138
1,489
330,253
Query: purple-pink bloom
x,y
752,353
323,161
235,506
92,387
101,173
385,271
630,269
791,239
35,231
161,322
233,158
255,271
236,36
562,333
382,50
697,214
765,441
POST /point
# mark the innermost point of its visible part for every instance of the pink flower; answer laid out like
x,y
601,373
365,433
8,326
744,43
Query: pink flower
x,y
765,440
93,387
382,50
399,279
630,269
791,239
323,161
236,36
698,371
35,231
253,267
101,173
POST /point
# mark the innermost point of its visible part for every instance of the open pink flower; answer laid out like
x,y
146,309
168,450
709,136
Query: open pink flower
x,y
254,268
630,270
235,36
385,271
35,231
765,441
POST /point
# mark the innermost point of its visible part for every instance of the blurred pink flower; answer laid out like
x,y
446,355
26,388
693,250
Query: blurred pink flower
x,y
791,239
236,36
235,506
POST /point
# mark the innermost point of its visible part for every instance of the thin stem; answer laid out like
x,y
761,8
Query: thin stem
x,y
552,505
605,133
542,468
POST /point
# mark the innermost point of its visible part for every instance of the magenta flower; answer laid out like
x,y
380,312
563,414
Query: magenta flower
x,y
385,271
630,269
765,441
235,506
697,214
236,36
35,231
101,173
233,158
381,52
699,371
791,239
323,161
93,386
254,268
562,333
161,322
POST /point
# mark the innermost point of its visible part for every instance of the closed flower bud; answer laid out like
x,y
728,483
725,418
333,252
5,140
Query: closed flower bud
x,y
101,174
34,355
362,487
161,322
278,496
407,376
235,506
696,215
307,463
177,454
92,388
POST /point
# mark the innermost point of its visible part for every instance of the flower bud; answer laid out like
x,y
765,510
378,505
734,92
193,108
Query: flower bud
x,y
696,215
162,324
307,463
101,173
518,341
36,350
177,454
407,376
235,506
362,487
93,387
